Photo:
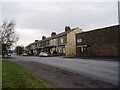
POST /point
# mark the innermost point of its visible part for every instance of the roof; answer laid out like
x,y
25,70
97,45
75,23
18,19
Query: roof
x,y
56,36
109,27
105,28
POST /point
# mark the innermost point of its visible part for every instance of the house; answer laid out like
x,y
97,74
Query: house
x,y
27,49
31,48
64,43
99,42
58,44
71,41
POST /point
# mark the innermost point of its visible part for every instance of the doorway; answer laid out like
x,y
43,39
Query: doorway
x,y
82,51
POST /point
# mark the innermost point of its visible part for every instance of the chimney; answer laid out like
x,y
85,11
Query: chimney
x,y
36,40
43,37
67,28
53,33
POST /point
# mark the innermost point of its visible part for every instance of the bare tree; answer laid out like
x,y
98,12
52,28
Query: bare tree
x,y
7,34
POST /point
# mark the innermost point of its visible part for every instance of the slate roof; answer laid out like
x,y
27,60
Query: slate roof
x,y
56,36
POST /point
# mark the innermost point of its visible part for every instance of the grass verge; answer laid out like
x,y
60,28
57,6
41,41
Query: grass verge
x,y
14,76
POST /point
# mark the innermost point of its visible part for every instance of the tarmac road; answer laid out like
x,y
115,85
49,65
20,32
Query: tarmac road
x,y
106,71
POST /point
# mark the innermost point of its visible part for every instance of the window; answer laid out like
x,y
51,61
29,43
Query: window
x,y
61,40
54,41
79,40
50,42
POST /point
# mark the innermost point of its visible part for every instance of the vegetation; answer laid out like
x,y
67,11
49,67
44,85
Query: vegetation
x,y
19,50
14,76
7,36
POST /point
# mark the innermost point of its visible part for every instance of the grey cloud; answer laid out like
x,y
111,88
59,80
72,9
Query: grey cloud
x,y
53,16
91,14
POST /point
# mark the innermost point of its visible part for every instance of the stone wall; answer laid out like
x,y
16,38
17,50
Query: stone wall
x,y
71,42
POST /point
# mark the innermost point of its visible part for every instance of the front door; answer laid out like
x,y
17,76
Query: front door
x,y
83,51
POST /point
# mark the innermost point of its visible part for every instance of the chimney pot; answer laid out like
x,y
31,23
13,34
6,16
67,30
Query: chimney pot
x,y
53,33
67,28
43,37
36,40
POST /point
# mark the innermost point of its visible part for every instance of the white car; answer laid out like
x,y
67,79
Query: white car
x,y
25,54
9,55
43,54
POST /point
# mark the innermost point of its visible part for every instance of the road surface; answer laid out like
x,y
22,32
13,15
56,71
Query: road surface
x,y
106,71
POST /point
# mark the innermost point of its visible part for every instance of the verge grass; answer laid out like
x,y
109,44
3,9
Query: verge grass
x,y
15,76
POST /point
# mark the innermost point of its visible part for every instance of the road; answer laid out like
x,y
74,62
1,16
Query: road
x,y
106,71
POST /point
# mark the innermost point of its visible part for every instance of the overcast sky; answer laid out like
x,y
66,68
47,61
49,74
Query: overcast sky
x,y
37,18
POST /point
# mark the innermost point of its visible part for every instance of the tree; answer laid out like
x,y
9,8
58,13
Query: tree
x,y
19,50
7,35
4,49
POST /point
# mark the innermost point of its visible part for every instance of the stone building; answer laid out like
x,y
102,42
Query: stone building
x,y
59,44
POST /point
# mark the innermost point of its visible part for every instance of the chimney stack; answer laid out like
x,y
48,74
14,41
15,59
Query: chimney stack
x,y
43,37
53,33
36,40
67,28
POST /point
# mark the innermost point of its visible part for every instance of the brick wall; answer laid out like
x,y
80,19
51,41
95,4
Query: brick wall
x,y
103,42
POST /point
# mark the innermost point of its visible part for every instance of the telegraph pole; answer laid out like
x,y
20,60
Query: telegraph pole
x,y
118,40
119,12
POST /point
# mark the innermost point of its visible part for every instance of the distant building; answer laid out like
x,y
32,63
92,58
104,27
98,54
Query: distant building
x,y
58,44
99,42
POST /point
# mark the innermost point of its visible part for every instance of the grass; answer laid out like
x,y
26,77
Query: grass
x,y
14,76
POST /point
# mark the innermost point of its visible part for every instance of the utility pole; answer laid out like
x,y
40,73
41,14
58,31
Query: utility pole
x,y
119,12
118,39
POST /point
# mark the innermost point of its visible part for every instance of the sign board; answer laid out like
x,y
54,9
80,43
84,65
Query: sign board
x,y
79,40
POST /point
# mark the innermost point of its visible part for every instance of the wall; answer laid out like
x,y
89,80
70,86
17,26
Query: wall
x,y
71,42
64,39
53,42
104,49
102,42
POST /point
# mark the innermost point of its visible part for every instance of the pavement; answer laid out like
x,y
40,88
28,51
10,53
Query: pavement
x,y
108,58
103,70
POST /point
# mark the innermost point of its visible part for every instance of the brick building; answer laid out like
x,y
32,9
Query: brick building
x,y
99,42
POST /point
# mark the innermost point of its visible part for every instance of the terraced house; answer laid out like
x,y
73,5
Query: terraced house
x,y
58,44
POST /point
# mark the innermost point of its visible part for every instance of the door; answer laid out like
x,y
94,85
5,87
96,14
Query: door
x,y
83,51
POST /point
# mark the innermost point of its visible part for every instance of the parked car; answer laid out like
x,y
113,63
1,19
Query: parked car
x,y
43,54
14,54
25,54
9,55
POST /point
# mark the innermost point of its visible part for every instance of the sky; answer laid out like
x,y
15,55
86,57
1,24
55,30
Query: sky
x,y
35,18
